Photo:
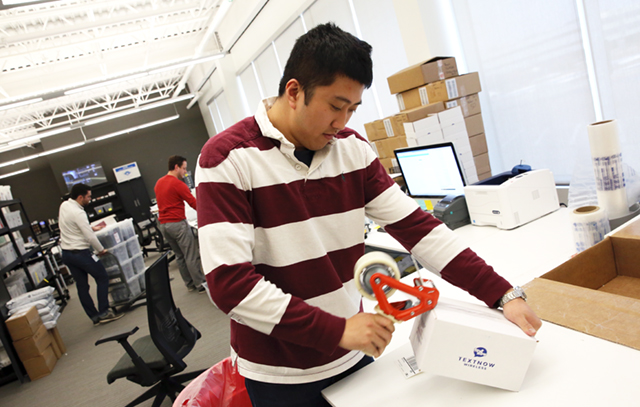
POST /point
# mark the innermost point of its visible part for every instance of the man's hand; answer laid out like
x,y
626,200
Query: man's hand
x,y
519,312
103,252
369,333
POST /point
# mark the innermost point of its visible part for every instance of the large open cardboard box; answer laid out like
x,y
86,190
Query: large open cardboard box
x,y
596,292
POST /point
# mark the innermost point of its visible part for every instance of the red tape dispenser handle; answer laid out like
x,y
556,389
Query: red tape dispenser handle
x,y
426,297
377,277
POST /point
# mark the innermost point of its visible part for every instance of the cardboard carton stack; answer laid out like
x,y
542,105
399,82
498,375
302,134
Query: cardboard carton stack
x,y
425,89
38,348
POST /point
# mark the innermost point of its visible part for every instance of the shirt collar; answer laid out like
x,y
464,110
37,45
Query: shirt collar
x,y
76,203
267,128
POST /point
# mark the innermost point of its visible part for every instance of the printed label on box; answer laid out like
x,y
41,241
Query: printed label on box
x,y
400,101
452,103
388,128
452,88
424,98
440,72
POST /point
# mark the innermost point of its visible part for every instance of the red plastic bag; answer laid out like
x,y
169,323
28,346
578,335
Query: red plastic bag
x,y
219,386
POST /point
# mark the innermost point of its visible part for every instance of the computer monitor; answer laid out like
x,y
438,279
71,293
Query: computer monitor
x,y
431,171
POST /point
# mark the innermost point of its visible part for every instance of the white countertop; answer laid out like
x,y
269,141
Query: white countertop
x,y
569,368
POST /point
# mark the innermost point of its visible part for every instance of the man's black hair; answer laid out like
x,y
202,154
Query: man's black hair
x,y
79,190
322,54
176,160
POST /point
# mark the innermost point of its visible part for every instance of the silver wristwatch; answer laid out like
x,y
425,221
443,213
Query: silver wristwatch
x,y
512,295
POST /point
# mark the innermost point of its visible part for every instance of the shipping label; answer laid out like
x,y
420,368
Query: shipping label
x,y
400,101
452,88
388,127
608,172
424,97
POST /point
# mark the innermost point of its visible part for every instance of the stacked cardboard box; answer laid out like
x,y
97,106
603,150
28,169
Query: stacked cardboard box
x,y
428,88
37,348
447,126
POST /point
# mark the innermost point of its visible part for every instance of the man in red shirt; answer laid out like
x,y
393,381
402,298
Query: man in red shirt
x,y
171,193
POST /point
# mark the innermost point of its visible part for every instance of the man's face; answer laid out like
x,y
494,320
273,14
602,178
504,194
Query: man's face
x,y
182,171
328,112
85,199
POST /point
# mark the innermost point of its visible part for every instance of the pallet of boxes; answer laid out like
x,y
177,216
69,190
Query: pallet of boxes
x,y
436,105
33,329
124,262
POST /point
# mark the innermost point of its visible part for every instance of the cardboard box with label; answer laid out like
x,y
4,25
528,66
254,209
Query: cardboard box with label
x,y
34,345
441,91
470,105
596,292
434,69
420,112
24,323
472,343
386,147
393,126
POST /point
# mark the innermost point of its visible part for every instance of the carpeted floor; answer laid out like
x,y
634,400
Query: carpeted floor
x,y
79,378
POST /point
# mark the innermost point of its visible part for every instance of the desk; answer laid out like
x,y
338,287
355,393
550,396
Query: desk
x,y
569,368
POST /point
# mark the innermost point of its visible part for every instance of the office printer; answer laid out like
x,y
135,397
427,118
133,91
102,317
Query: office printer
x,y
511,199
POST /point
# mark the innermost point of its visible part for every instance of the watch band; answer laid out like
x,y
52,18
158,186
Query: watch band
x,y
512,295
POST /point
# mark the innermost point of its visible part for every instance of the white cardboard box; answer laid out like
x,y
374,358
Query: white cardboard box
x,y
472,343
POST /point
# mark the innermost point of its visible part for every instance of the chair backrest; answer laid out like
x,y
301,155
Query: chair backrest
x,y
173,335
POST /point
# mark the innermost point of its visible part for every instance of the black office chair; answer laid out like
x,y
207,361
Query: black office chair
x,y
148,233
155,360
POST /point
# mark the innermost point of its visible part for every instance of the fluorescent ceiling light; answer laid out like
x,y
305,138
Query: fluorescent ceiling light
x,y
106,83
142,126
11,174
104,118
187,63
57,150
155,123
167,101
117,133
38,136
18,104
19,160
149,106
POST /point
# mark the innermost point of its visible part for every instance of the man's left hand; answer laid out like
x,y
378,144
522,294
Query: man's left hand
x,y
519,312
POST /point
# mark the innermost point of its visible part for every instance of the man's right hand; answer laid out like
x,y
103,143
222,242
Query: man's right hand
x,y
369,333
103,252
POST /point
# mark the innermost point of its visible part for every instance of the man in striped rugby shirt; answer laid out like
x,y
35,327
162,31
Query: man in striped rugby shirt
x,y
282,198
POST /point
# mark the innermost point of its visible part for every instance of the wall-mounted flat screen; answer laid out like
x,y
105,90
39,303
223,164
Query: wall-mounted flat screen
x,y
431,171
90,174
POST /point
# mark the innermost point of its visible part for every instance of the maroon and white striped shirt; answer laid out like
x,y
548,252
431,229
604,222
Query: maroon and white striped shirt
x,y
279,240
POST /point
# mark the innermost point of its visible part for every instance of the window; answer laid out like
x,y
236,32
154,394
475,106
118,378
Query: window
x,y
535,61
219,110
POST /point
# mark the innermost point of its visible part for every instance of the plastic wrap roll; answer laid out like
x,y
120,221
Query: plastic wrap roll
x,y
607,166
590,225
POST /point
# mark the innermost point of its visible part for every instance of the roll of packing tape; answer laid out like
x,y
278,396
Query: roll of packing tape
x,y
606,159
590,225
368,265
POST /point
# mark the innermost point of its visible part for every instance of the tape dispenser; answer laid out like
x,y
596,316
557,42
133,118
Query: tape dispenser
x,y
377,278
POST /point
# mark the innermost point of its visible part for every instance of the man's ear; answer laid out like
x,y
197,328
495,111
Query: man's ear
x,y
294,93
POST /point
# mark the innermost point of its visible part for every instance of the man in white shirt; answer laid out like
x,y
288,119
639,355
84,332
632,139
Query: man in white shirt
x,y
76,238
